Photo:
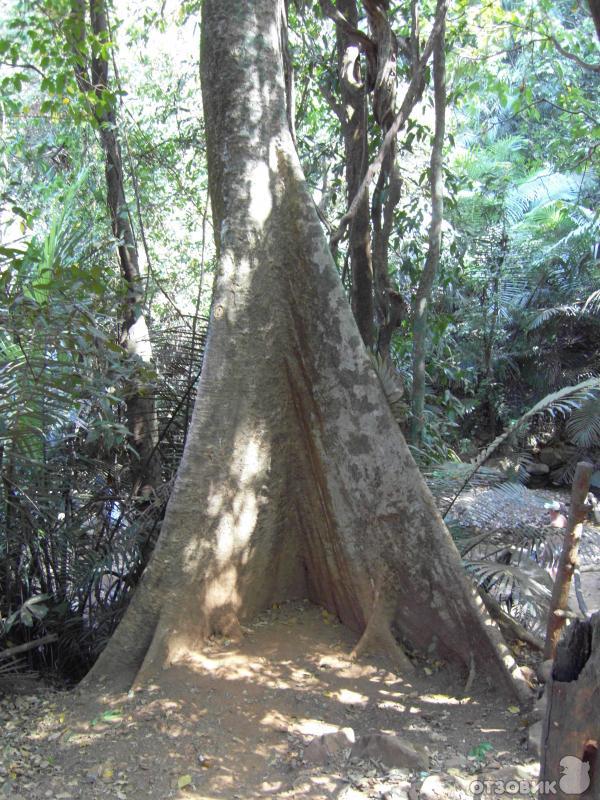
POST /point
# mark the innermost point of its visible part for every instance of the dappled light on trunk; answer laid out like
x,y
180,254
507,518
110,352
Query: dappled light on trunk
x,y
296,481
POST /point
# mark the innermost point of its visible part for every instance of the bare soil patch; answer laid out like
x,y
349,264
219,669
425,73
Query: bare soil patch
x,y
235,721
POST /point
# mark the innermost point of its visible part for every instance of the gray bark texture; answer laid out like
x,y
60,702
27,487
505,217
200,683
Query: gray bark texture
x,y
295,481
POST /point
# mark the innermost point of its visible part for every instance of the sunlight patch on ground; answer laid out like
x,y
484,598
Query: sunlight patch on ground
x,y
313,727
303,676
392,705
307,727
349,697
324,783
445,699
229,666
276,720
345,668
271,787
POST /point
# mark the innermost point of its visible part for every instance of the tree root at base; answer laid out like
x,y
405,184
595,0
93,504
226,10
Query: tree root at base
x,y
229,626
378,637
471,677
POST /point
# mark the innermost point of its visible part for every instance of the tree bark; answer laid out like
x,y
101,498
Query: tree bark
x,y
389,305
413,94
423,295
571,729
295,480
353,120
595,12
135,337
380,49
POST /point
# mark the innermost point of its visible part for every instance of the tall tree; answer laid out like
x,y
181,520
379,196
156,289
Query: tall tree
x,y
92,73
372,290
386,194
295,480
422,296
353,116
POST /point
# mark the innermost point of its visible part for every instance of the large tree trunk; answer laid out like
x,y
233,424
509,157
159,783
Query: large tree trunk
x,y
295,481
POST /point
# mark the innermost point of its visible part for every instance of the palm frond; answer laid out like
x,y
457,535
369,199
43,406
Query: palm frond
x,y
525,590
546,187
561,402
531,579
546,314
443,479
592,304
583,425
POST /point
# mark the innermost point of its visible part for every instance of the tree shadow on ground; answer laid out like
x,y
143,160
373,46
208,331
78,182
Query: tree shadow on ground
x,y
235,717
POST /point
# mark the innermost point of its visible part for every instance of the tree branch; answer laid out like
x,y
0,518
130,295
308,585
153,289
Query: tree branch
x,y
411,98
353,33
23,648
572,57
14,65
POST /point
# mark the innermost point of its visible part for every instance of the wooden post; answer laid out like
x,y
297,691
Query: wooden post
x,y
568,558
571,730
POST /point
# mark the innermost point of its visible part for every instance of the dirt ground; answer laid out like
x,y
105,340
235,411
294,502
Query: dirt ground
x,y
235,721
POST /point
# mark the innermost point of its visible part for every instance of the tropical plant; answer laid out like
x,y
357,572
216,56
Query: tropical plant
x,y
75,536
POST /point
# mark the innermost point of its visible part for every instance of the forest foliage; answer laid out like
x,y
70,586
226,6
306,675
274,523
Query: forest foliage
x,y
513,313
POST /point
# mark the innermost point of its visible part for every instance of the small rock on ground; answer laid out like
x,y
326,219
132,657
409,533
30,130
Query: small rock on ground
x,y
329,746
389,750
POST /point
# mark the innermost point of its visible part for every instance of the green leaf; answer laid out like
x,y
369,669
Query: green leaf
x,y
480,750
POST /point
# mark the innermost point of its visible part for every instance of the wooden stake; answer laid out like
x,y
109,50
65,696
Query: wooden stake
x,y
568,558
